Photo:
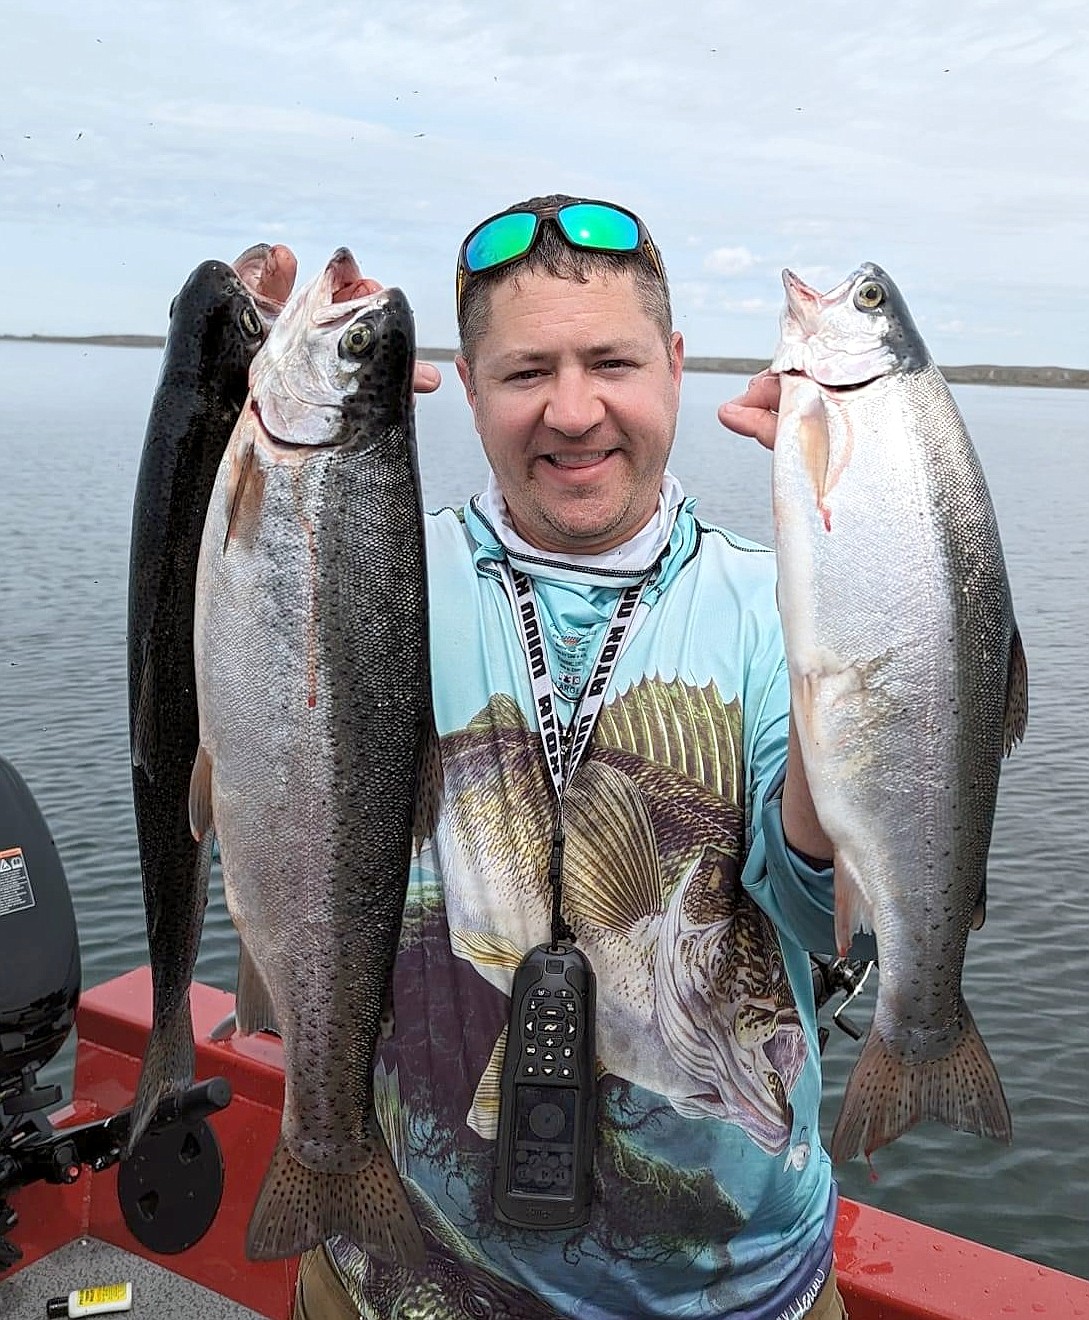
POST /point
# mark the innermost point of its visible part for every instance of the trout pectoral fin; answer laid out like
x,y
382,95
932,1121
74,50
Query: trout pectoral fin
x,y
853,911
245,492
825,457
815,444
1016,695
200,795
253,1009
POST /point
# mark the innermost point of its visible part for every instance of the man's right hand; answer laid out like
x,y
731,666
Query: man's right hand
x,y
755,413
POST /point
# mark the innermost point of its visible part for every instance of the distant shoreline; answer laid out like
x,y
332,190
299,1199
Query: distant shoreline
x,y
1057,378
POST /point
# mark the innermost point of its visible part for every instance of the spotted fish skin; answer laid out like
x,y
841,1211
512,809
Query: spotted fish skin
x,y
315,711
218,321
908,683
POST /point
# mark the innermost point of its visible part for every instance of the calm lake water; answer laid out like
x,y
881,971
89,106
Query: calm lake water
x,y
71,427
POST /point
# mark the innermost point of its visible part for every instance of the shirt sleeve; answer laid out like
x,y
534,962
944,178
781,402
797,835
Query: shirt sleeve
x,y
795,895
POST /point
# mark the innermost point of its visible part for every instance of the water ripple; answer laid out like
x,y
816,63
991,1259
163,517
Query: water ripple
x,y
72,455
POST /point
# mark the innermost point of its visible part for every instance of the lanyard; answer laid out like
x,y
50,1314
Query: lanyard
x,y
561,766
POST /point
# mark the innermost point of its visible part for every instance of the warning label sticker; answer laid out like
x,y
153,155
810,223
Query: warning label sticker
x,y
15,892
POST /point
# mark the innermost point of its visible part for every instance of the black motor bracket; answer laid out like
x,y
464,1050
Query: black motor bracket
x,y
170,1187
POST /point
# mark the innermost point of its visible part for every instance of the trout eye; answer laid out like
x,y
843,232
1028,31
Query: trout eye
x,y
357,339
250,321
869,296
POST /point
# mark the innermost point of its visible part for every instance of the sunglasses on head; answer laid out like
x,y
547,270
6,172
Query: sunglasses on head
x,y
591,226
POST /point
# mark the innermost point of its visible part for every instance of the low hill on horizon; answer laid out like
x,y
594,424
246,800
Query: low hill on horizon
x,y
971,374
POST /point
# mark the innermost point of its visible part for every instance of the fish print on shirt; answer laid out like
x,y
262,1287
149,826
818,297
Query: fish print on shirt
x,y
693,998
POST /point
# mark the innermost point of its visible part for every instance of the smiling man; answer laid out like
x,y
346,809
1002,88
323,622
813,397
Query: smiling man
x,y
575,399
623,791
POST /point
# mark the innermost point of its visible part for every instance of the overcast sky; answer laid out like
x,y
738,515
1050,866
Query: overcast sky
x,y
947,140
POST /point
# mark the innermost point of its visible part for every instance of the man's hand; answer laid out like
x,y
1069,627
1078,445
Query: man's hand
x,y
755,413
426,379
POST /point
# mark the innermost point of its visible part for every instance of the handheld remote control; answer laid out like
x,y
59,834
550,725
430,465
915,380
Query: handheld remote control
x,y
548,1095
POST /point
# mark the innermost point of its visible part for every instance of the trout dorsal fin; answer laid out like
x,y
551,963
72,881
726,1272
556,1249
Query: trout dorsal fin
x,y
1016,695
245,489
429,782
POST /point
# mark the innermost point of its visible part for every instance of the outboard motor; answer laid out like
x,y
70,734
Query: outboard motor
x,y
39,951
170,1190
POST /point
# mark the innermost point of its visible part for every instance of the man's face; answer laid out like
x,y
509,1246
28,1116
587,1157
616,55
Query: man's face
x,y
575,397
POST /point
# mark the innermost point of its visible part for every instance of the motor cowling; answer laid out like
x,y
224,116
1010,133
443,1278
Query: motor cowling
x,y
39,945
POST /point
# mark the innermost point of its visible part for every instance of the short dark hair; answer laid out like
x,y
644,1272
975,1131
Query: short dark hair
x,y
552,255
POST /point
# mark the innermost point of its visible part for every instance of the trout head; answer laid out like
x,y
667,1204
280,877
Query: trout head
x,y
336,370
858,332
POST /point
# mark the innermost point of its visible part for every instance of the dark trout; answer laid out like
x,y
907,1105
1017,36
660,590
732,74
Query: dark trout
x,y
217,323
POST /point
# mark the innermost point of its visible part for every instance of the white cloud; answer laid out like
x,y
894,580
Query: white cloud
x,y
729,261
946,144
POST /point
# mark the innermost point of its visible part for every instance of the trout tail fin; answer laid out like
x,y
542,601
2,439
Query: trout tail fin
x,y
169,1065
886,1095
299,1207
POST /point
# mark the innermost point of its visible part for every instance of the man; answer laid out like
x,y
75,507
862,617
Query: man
x,y
611,697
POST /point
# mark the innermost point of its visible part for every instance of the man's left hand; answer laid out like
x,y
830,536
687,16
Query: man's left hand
x,y
755,413
426,379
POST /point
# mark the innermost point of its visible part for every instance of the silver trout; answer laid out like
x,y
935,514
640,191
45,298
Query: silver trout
x,y
217,322
908,683
314,689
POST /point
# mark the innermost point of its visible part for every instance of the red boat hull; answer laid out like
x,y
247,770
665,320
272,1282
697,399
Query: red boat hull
x,y
889,1268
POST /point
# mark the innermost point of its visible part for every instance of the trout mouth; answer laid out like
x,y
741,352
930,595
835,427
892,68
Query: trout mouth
x,y
848,388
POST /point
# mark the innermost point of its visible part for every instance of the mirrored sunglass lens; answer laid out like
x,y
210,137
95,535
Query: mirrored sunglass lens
x,y
508,236
590,225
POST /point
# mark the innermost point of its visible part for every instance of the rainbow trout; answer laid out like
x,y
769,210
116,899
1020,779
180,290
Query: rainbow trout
x,y
315,717
217,322
908,683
